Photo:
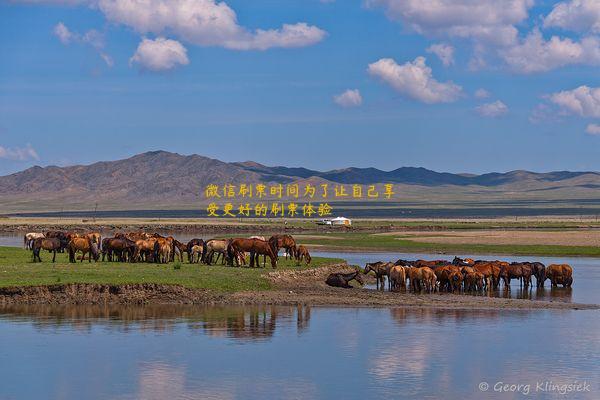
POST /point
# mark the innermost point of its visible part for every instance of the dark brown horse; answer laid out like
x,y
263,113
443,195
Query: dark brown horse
x,y
343,280
286,242
255,247
51,244
122,248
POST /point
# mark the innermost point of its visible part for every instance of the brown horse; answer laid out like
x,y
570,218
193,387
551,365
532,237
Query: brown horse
x,y
163,249
286,242
560,274
123,248
85,245
397,277
302,253
255,247
51,244
381,270
144,250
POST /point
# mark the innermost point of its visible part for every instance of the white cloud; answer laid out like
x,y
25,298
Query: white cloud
x,y
593,129
205,23
495,109
63,33
349,98
489,21
582,101
92,38
444,52
415,80
535,54
482,94
575,15
160,54
19,153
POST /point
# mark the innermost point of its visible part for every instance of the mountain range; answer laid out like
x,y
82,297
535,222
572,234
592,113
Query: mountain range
x,y
160,179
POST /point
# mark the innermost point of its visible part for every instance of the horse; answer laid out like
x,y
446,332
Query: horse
x,y
123,248
144,250
286,242
539,271
189,247
60,235
302,253
195,254
397,277
85,245
560,274
163,249
255,247
381,270
28,239
213,246
50,244
342,280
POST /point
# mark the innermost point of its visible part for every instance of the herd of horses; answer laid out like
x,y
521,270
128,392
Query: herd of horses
x,y
459,275
140,246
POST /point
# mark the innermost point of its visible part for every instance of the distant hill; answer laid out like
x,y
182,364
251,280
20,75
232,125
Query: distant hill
x,y
160,179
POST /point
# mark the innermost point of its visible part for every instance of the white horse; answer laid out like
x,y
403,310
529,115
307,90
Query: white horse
x,y
30,237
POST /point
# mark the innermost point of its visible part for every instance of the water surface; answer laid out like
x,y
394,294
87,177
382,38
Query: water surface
x,y
173,352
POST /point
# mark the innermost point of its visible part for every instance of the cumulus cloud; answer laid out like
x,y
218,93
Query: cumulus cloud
x,y
444,52
575,15
495,109
583,101
19,153
205,23
482,94
415,80
535,54
489,21
593,129
349,98
159,55
91,38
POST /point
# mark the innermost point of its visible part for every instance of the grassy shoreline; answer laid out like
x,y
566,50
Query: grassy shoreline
x,y
353,242
16,269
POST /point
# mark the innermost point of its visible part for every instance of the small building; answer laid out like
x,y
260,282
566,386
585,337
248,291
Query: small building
x,y
341,221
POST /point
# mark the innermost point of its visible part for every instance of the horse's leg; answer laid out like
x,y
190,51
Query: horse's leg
x,y
54,256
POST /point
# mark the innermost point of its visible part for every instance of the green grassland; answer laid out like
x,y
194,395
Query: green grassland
x,y
17,269
400,243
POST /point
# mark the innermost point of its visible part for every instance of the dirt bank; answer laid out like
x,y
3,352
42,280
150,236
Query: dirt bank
x,y
291,288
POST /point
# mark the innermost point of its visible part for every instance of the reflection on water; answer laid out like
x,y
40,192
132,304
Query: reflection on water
x,y
184,352
237,322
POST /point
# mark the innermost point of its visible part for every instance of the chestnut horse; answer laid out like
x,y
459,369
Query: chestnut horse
x,y
302,253
255,247
286,242
85,245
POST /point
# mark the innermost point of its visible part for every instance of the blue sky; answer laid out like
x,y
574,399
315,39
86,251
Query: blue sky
x,y
514,87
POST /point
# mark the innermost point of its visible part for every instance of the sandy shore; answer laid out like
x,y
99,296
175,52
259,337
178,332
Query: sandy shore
x,y
303,287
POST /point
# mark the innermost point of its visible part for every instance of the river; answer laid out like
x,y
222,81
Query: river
x,y
184,352
177,352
